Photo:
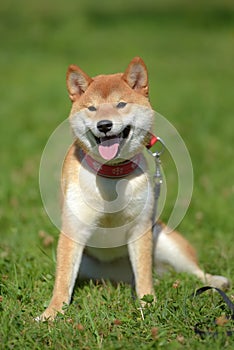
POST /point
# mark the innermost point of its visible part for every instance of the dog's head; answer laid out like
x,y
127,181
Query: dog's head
x,y
111,116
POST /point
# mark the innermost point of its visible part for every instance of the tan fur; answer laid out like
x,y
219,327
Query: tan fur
x,y
130,248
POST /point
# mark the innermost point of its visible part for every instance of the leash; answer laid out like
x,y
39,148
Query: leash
x,y
198,329
158,180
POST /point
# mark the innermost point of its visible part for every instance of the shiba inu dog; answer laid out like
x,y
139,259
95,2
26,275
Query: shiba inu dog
x,y
108,196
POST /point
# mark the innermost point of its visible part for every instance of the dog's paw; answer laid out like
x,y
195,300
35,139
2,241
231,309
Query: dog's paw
x,y
47,315
218,281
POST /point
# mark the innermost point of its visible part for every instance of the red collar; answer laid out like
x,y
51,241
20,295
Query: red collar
x,y
118,170
152,142
113,171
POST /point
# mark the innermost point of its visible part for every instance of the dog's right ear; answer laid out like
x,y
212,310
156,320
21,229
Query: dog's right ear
x,y
77,82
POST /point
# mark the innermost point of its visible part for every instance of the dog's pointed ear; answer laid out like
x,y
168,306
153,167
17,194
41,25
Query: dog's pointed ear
x,y
77,82
136,76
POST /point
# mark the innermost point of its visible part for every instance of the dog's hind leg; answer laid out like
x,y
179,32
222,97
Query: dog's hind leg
x,y
174,250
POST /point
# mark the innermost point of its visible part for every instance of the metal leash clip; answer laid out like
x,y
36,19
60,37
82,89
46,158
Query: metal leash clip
x,y
157,154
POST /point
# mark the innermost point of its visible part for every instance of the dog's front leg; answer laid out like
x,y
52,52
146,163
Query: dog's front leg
x,y
140,253
69,254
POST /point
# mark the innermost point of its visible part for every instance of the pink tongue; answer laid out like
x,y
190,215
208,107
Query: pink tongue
x,y
109,148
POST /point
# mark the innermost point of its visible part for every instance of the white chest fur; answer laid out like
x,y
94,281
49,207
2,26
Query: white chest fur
x,y
108,212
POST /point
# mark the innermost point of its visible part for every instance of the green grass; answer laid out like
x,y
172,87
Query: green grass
x,y
189,50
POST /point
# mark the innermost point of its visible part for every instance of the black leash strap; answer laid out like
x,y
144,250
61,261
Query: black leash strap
x,y
198,327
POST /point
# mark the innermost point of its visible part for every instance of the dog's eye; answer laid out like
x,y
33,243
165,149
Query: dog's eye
x,y
121,104
92,108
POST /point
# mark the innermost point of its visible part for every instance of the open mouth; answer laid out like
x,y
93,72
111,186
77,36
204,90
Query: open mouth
x,y
108,146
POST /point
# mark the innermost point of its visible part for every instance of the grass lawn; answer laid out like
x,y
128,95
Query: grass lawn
x,y
189,50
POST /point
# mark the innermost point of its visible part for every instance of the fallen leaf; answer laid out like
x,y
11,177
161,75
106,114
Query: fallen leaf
x,y
154,332
176,284
221,321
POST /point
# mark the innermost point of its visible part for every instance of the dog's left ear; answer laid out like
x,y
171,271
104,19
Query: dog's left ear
x,y
136,76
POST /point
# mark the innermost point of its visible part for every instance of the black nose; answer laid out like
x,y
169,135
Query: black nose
x,y
104,125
